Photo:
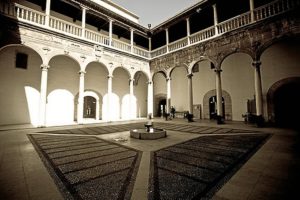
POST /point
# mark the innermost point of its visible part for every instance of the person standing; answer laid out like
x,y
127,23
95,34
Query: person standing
x,y
173,112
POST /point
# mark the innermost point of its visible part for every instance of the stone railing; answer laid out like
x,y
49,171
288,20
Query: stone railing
x,y
234,23
25,14
140,51
96,37
178,44
202,35
65,27
274,8
159,51
33,17
121,45
260,13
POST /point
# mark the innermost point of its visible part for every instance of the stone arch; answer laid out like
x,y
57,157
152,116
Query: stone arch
x,y
99,101
227,100
98,62
141,71
177,66
66,55
200,59
161,72
124,68
20,87
243,51
262,48
98,98
271,95
33,48
140,97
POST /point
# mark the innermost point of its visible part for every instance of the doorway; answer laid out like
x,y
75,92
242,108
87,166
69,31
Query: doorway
x,y
286,105
213,107
89,107
161,108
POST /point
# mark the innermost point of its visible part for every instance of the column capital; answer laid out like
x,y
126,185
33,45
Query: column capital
x,y
83,7
256,63
110,19
81,72
110,76
218,70
149,82
131,79
44,67
168,79
190,75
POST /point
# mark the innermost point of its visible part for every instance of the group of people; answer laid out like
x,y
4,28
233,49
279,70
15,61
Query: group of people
x,y
170,115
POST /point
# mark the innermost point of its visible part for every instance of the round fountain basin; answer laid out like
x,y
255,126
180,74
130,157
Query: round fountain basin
x,y
153,134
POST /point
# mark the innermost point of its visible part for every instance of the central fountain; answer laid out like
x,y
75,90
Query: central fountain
x,y
149,133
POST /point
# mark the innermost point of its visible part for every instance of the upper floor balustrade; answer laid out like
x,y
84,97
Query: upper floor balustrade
x,y
40,19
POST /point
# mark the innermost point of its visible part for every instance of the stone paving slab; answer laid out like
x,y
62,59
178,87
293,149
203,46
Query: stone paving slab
x,y
196,169
85,167
188,128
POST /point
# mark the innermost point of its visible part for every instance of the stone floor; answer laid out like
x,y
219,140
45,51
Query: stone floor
x,y
271,173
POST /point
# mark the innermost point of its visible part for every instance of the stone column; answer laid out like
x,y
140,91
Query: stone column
x,y
150,99
131,40
80,98
150,44
219,93
47,12
43,96
190,92
83,21
168,95
131,81
109,92
252,10
215,19
167,39
110,31
188,30
258,88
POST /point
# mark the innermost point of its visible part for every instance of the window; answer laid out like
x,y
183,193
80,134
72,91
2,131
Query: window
x,y
21,60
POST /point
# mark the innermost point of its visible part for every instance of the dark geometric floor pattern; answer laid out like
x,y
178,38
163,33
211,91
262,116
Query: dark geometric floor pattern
x,y
168,126
197,168
87,167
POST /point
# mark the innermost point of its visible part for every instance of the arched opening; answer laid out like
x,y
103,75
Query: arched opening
x,y
89,107
210,105
119,106
160,92
62,88
161,109
234,66
286,105
140,94
179,88
20,81
203,80
213,107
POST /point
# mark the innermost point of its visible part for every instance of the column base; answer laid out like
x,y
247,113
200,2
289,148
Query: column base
x,y
259,121
220,119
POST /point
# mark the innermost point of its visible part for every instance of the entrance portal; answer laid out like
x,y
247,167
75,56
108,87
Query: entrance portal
x,y
213,107
89,108
286,105
162,107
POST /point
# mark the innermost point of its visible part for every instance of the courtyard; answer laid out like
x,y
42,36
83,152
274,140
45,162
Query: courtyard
x,y
199,160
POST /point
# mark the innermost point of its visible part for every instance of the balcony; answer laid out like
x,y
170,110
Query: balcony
x,y
33,17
